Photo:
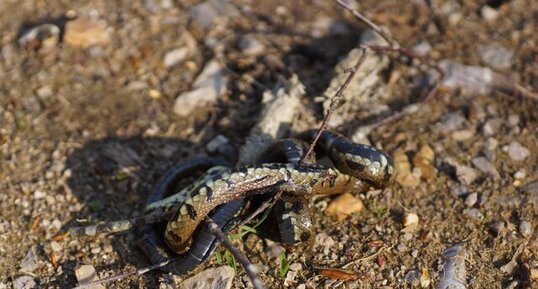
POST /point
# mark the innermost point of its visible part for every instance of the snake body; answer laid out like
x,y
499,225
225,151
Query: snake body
x,y
357,167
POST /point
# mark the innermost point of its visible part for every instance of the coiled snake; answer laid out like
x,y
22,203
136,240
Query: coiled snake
x,y
221,191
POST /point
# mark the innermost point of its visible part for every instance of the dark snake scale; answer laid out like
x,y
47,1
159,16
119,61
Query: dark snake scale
x,y
221,191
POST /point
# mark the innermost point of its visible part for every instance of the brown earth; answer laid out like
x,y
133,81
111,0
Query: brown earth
x,y
86,131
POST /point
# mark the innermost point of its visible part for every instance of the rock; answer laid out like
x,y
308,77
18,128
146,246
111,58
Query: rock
x,y
471,199
24,282
488,13
530,188
496,56
31,104
175,56
422,48
404,175
472,79
84,32
205,13
466,175
423,160
489,148
249,45
520,174
516,151
42,37
451,121
86,273
39,195
525,228
207,88
412,277
323,26
29,263
454,273
44,92
410,219
491,127
473,213
343,206
212,278
486,167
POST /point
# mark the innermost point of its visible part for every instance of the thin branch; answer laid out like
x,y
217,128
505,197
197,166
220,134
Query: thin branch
x,y
335,103
249,268
367,21
260,209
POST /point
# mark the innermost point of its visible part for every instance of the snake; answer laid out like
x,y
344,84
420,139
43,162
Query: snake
x,y
220,193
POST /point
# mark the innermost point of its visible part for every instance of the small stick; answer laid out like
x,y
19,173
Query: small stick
x,y
260,209
335,103
126,274
367,21
249,268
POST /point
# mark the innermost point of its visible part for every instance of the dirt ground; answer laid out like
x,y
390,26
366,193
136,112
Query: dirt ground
x,y
86,131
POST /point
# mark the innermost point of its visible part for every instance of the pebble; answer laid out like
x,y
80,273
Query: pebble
x,y
486,167
496,56
519,175
323,26
513,120
489,148
473,213
31,103
84,32
29,263
205,13
471,79
251,46
86,273
209,85
410,219
525,228
491,127
175,56
39,195
44,92
465,174
412,277
212,278
516,151
471,199
452,121
422,48
488,13
55,246
24,282
343,206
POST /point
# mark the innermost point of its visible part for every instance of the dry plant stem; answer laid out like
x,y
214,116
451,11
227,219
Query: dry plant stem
x,y
249,268
260,209
402,51
126,274
335,102
367,21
